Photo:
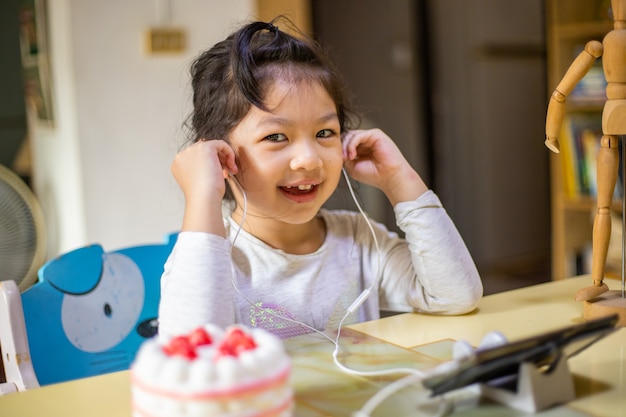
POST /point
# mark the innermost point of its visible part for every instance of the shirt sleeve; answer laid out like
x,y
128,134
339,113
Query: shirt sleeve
x,y
196,285
432,271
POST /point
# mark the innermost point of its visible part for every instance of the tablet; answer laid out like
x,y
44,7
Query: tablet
x,y
543,350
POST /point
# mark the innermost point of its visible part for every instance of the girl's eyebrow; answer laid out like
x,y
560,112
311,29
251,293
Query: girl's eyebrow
x,y
281,121
330,116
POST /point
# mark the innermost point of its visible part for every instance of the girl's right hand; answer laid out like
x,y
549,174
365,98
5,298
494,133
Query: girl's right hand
x,y
201,168
200,171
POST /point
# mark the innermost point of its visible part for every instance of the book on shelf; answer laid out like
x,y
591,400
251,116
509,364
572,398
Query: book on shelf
x,y
580,143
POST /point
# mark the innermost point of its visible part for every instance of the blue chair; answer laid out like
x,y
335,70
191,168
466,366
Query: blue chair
x,y
87,315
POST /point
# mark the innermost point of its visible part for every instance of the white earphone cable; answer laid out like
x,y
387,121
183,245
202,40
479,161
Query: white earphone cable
x,y
414,375
233,275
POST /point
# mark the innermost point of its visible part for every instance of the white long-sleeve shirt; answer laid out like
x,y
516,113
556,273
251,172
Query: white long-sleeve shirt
x,y
206,279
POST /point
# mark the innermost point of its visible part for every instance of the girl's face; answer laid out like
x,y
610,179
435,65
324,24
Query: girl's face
x,y
289,158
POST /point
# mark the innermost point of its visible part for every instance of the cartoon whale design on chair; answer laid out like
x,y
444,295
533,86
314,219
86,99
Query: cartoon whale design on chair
x,y
90,310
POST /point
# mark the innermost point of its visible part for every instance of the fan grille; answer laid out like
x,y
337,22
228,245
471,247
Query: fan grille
x,y
20,231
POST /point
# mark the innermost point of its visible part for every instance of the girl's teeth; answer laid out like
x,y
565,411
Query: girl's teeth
x,y
301,187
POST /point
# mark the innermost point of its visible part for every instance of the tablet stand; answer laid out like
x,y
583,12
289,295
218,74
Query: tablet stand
x,y
533,389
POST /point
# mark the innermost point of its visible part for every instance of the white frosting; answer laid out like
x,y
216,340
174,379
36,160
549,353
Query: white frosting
x,y
159,379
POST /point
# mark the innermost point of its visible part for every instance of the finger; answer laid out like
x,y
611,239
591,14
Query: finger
x,y
350,145
225,155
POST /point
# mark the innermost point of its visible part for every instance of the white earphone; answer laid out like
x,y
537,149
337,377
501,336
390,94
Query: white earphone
x,y
414,375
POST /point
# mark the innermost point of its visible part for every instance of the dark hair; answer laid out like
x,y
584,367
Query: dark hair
x,y
235,73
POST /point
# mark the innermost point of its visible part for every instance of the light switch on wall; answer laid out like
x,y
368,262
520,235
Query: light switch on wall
x,y
165,40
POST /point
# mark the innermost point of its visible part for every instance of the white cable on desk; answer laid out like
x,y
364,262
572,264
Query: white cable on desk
x,y
395,386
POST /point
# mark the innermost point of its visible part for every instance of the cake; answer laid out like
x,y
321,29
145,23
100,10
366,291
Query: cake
x,y
209,372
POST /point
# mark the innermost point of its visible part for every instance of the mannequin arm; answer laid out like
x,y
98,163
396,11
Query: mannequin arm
x,y
556,108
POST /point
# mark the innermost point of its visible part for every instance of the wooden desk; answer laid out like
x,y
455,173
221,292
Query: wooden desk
x,y
599,372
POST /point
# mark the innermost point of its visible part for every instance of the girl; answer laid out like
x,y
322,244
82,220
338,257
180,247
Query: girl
x,y
271,135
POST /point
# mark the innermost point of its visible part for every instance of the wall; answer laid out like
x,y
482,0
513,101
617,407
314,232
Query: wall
x,y
489,101
102,172
12,114
460,86
384,74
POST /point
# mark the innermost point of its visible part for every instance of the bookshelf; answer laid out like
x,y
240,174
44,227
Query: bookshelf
x,y
569,25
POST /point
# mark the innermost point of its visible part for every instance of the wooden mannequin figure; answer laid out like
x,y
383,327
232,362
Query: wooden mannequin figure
x,y
613,53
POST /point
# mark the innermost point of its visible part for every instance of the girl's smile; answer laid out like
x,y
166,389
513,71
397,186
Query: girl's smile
x,y
302,193
290,157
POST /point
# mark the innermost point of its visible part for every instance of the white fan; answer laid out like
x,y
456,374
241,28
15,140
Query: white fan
x,y
22,231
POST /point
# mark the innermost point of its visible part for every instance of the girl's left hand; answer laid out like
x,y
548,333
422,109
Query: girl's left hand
x,y
371,157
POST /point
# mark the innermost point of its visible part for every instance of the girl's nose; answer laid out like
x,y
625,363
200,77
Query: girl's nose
x,y
305,156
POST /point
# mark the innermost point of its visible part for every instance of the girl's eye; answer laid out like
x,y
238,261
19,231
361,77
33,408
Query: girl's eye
x,y
276,137
325,133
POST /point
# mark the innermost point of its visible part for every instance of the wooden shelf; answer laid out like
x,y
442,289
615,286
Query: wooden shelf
x,y
582,30
586,204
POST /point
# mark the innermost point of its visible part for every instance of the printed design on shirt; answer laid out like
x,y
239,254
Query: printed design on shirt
x,y
276,319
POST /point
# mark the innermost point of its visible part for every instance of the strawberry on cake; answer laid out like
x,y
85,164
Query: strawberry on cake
x,y
213,372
